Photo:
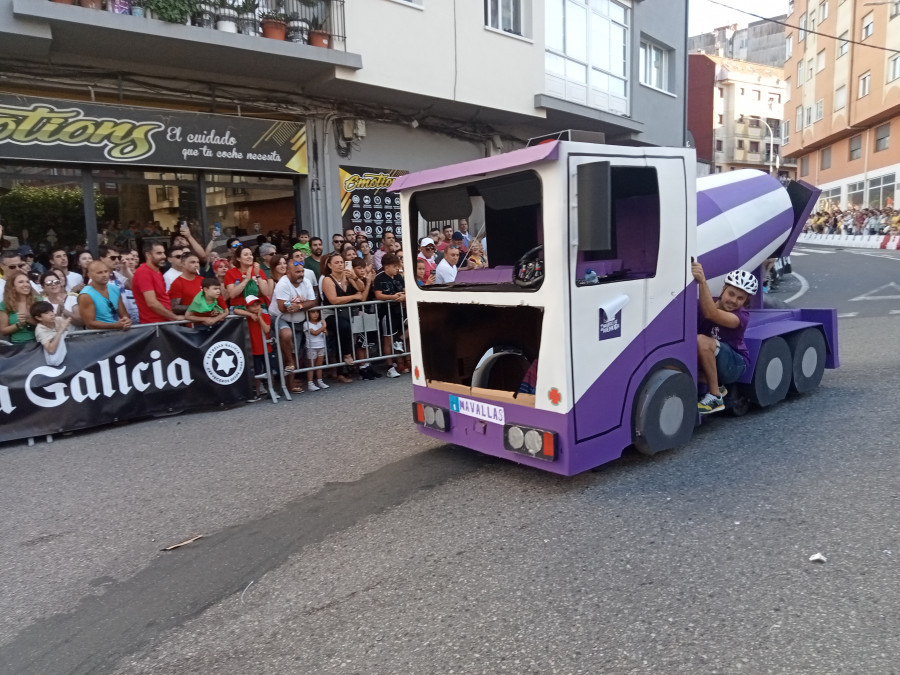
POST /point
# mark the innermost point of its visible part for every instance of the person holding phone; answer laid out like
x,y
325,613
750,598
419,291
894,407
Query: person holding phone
x,y
338,290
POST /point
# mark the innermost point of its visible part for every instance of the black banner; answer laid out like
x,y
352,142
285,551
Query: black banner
x,y
112,376
366,204
74,131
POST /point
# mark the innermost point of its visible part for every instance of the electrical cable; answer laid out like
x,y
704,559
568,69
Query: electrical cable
x,y
806,30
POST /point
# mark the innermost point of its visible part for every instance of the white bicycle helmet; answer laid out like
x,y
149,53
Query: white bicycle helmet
x,y
743,280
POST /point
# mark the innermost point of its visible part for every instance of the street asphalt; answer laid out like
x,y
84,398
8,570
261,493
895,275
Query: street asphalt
x,y
336,539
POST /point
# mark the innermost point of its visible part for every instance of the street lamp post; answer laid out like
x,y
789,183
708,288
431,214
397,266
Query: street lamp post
x,y
771,143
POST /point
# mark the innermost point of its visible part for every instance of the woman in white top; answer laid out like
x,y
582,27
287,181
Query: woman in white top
x,y
65,305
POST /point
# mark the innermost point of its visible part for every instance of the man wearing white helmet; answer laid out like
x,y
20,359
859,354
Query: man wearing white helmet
x,y
722,355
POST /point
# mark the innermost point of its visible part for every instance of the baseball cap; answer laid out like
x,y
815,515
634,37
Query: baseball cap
x,y
25,249
457,235
250,299
427,241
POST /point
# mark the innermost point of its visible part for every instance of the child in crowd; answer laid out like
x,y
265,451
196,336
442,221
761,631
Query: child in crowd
x,y
722,355
206,307
316,331
260,327
50,332
303,243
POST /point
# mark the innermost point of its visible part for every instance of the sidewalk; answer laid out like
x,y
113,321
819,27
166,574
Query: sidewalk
x,y
884,241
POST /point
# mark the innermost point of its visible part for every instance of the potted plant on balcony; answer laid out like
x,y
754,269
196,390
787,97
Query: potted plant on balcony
x,y
205,12
274,24
64,2
318,36
297,29
137,8
226,17
247,21
92,4
173,11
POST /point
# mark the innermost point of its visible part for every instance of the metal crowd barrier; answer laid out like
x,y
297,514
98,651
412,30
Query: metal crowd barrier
x,y
362,322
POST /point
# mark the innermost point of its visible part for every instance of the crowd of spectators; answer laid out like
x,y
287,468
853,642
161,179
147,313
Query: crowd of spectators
x,y
854,221
274,283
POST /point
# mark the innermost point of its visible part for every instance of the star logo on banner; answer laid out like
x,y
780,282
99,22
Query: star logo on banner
x,y
224,363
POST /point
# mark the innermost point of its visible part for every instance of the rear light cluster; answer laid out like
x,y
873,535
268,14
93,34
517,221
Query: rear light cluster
x,y
532,442
431,416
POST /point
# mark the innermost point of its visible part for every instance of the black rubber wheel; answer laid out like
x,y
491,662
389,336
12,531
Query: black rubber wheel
x,y
772,375
808,355
665,412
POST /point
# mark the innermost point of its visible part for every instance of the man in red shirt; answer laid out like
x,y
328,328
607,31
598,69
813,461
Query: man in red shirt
x,y
186,287
150,289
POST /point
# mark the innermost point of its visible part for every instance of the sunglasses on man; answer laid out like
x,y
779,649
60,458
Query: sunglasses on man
x,y
298,263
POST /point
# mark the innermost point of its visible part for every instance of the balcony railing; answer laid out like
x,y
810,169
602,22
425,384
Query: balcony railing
x,y
300,20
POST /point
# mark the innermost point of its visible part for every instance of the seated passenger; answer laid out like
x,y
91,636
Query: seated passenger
x,y
722,355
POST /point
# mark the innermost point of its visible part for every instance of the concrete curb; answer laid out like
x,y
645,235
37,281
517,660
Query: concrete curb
x,y
883,241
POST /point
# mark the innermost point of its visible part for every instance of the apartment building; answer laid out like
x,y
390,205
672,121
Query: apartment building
x,y
759,42
844,99
735,114
186,119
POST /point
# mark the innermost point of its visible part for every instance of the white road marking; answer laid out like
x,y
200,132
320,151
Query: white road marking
x,y
848,315
814,250
797,253
804,286
894,311
871,295
874,255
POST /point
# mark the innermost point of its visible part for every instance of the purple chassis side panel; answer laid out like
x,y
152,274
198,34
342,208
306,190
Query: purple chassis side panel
x,y
767,323
607,397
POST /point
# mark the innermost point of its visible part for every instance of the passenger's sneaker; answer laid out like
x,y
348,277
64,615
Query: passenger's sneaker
x,y
392,372
311,386
321,384
710,404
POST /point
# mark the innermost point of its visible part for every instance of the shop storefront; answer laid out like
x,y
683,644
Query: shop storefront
x,y
75,173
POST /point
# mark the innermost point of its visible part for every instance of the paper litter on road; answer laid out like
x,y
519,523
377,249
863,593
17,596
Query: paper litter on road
x,y
184,543
817,557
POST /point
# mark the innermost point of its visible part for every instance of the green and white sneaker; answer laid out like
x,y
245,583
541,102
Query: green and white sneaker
x,y
710,404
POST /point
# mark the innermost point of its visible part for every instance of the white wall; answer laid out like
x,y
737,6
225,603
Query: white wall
x,y
415,48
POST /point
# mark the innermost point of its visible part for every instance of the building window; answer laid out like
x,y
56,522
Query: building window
x,y
868,25
844,45
895,8
864,84
882,137
820,109
804,166
812,23
655,66
808,115
740,144
855,147
721,119
721,92
788,47
894,68
811,70
840,97
799,117
790,7
754,146
881,192
785,132
787,90
719,147
825,159
587,53
800,73
856,194
505,15
754,123
801,34
823,11
820,61
742,91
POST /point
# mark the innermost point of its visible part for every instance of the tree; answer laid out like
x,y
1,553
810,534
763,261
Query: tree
x,y
40,208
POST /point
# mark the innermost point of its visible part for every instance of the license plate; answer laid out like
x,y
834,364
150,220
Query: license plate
x,y
477,409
